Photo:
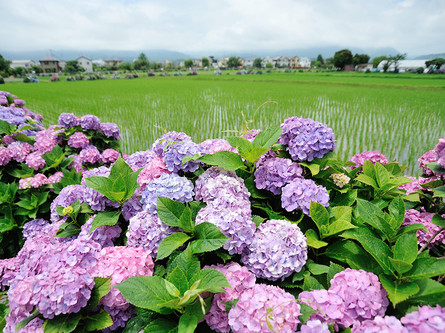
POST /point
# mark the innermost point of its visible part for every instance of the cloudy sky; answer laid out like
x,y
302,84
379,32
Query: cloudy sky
x,y
411,26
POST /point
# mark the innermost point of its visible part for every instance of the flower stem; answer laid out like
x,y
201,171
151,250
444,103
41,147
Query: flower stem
x,y
430,240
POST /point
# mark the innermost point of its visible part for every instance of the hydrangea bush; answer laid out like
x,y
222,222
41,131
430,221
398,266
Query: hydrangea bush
x,y
267,231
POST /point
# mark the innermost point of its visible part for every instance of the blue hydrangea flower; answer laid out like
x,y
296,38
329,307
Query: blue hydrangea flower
x,y
299,193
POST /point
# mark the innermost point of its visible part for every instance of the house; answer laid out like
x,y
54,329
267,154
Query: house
x,y
248,62
112,62
98,62
363,67
50,65
267,60
85,63
213,62
27,64
297,62
222,62
404,65
281,62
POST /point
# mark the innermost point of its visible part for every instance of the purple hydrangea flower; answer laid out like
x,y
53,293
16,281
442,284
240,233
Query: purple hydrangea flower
x,y
427,158
440,152
239,279
413,216
140,159
276,172
111,130
19,150
5,156
167,139
380,324
250,135
299,193
19,102
33,182
426,319
133,205
171,186
264,306
278,249
68,120
35,161
175,152
34,227
212,146
103,235
78,140
109,155
373,156
46,140
76,163
314,326
67,196
7,139
147,231
90,122
153,169
306,139
57,177
89,155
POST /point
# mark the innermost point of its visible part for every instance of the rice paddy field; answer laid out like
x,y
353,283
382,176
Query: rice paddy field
x,y
402,115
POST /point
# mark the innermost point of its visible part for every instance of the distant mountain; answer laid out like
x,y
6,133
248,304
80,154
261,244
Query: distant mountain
x,y
430,56
152,55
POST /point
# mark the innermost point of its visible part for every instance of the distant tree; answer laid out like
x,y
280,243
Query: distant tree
x,y
234,62
269,65
377,60
258,63
394,60
72,67
188,63
438,62
141,63
125,66
142,57
37,69
360,59
4,66
205,62
342,58
18,71
320,59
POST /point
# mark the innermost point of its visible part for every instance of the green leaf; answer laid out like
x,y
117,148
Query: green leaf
x,y
367,180
187,323
438,220
317,269
397,209
105,218
213,281
382,175
98,321
313,167
370,214
68,229
209,238
258,220
345,199
148,292
6,225
102,185
406,248
313,241
171,243
161,325
306,312
102,287
188,264
320,216
187,224
62,323
411,228
430,292
398,292
225,159
311,283
54,158
170,211
267,138
439,192
426,268
432,184
178,278
26,321
5,128
400,265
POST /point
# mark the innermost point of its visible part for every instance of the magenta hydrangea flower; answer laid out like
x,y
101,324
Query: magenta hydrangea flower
x,y
109,155
33,182
147,231
276,172
306,139
57,177
298,194
373,156
153,169
5,156
426,319
35,161
264,306
68,120
211,146
413,216
175,153
7,139
19,150
78,140
239,279
46,140
387,324
277,250
111,130
314,326
90,122
171,186
167,139
89,155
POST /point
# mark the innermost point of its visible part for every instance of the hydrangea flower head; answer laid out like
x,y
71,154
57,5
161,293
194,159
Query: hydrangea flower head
x,y
425,319
175,153
277,250
111,130
46,140
153,169
109,155
5,156
211,146
68,120
263,306
34,227
413,216
440,152
314,326
19,150
78,140
167,139
373,156
276,172
103,235
299,193
306,139
139,159
35,161
89,155
90,122
387,324
340,179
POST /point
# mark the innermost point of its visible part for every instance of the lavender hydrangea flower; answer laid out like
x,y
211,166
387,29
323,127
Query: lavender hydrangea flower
x,y
35,161
133,205
140,159
19,150
109,155
76,163
211,146
239,279
299,193
147,231
278,249
90,122
440,152
57,177
413,216
314,326
276,172
171,186
68,120
306,139
89,155
103,235
425,319
101,171
78,140
167,139
264,305
380,324
5,156
67,196
373,156
174,154
33,228
111,130
428,157
153,169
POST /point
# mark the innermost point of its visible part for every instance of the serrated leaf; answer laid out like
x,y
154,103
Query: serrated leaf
x,y
313,167
170,211
5,128
171,243
313,241
317,269
373,216
439,192
187,323
397,209
62,323
320,216
225,159
400,266
102,287
105,218
208,238
438,220
398,292
188,264
424,268
311,283
268,137
430,292
382,175
212,280
365,179
406,248
161,325
98,321
411,228
187,224
306,312
258,220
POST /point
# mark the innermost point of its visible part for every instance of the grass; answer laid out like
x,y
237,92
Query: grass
x,y
402,115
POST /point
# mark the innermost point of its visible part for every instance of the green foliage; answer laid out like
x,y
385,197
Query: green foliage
x,y
234,62
342,58
258,63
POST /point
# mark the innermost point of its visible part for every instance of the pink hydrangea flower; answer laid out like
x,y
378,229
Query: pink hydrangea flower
x,y
413,216
387,324
109,155
19,150
78,140
35,161
153,169
373,156
5,156
426,319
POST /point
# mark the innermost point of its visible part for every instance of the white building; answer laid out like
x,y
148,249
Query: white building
x,y
85,63
27,64
404,65
281,61
248,62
